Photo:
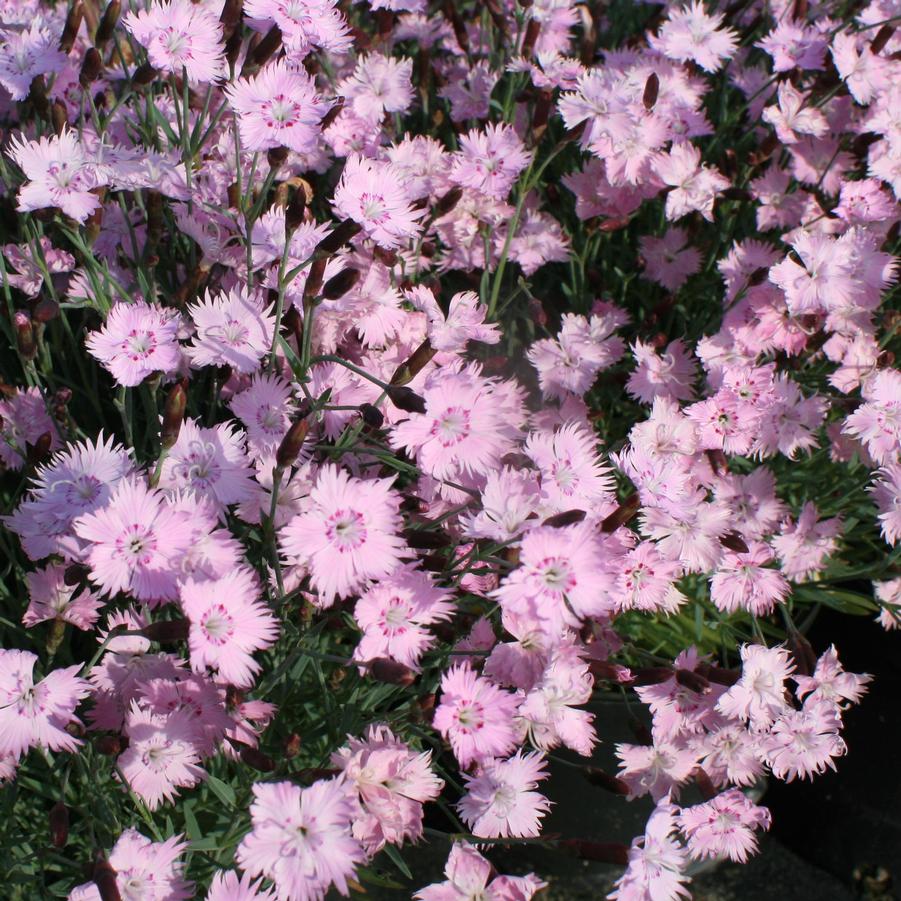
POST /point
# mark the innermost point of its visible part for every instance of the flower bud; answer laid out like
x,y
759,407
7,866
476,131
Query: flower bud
x,y
333,113
173,415
292,443
108,745
533,29
598,777
567,518
230,17
25,342
58,116
448,201
692,681
883,36
70,29
276,156
59,824
802,652
391,672
91,67
294,211
75,574
265,49
144,74
38,452
255,758
372,416
166,630
414,364
292,745
734,542
338,285
108,23
622,514
651,91
652,675
406,399
105,879
343,232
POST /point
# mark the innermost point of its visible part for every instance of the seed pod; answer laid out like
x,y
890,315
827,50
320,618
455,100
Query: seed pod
x,y
292,443
167,630
598,777
338,238
406,399
651,91
602,852
70,29
108,23
173,415
25,341
338,285
59,824
372,416
391,672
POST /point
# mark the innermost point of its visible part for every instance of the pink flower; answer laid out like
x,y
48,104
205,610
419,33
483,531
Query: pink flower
x,y
349,534
212,462
656,769
162,754
471,877
804,742
791,117
58,173
393,782
475,716
133,541
34,714
803,546
830,682
646,580
886,490
228,623
23,420
394,614
278,107
379,84
144,869
656,861
375,196
743,581
560,580
226,886
691,34
136,341
179,35
233,329
301,838
669,260
791,45
730,755
724,826
464,322
500,801
49,597
759,695
304,25
669,374
266,409
877,422
490,161
694,186
26,53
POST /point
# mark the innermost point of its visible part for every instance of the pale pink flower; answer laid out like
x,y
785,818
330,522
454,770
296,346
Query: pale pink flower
x,y
379,84
36,714
886,490
656,769
490,161
830,682
393,782
804,742
304,25
792,117
266,409
470,877
724,826
395,613
133,541
179,35
136,341
694,185
228,623
464,321
501,800
692,34
49,597
226,886
668,374
348,536
27,53
59,173
301,838
791,44
212,462
743,581
804,545
144,870
23,420
162,754
233,329
669,260
475,716
374,195
730,755
877,422
646,580
759,695
278,107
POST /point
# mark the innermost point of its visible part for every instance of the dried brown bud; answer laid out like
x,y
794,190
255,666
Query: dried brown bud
x,y
414,364
338,285
39,452
406,399
332,114
255,758
533,29
231,15
276,156
292,745
883,36
58,116
173,415
803,653
59,824
448,201
652,675
108,745
294,211
692,681
622,514
266,48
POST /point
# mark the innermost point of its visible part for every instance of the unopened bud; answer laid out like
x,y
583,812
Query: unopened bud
x,y
414,364
255,758
722,676
372,416
108,745
705,784
266,48
144,74
448,201
598,777
105,879
343,232
173,415
803,653
333,113
622,514
406,399
108,23
391,672
734,542
70,29
276,156
167,630
533,29
230,15
652,675
883,36
292,443
294,211
75,574
91,67
59,116
651,91
292,745
39,452
692,681
338,285
25,341
568,518
59,824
